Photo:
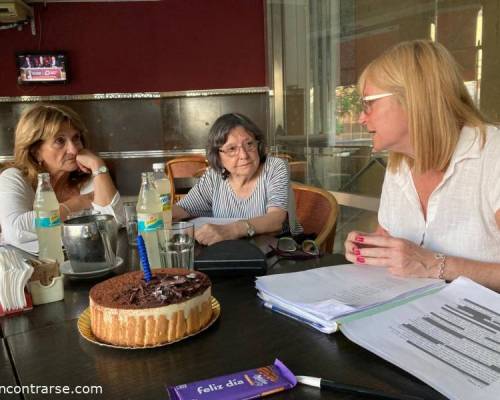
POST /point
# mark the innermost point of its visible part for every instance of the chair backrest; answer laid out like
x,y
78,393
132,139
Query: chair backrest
x,y
185,167
297,170
200,172
317,212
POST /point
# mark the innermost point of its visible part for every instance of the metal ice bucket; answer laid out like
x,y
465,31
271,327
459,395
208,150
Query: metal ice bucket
x,y
90,242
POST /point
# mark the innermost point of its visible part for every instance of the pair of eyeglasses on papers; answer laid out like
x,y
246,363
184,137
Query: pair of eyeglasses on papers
x,y
287,247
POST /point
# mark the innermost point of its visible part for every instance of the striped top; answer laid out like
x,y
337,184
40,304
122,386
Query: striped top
x,y
213,196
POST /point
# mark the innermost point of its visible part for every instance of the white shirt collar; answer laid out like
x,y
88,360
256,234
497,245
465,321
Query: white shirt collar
x,y
468,146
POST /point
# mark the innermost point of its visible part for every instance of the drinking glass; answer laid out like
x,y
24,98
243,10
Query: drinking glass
x,y
177,246
131,222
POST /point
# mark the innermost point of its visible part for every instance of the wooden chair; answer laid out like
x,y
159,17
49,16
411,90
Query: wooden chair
x,y
200,172
298,171
185,167
317,212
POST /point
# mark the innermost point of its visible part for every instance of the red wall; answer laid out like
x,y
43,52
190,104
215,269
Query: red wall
x,y
160,46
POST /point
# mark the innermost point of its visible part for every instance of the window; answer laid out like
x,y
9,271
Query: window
x,y
317,50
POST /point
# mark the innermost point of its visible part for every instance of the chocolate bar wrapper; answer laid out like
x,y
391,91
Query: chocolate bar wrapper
x,y
243,385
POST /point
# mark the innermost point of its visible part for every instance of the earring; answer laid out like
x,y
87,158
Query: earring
x,y
40,162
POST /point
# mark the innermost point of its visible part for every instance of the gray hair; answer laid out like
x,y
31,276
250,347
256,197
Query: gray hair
x,y
219,132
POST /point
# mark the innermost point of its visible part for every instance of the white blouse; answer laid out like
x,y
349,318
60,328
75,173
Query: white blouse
x,y
461,210
17,218
213,196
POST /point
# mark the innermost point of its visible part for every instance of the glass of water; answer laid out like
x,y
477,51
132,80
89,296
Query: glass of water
x,y
177,246
131,222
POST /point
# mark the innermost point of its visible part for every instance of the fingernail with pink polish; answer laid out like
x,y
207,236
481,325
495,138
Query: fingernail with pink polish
x,y
360,259
359,239
356,251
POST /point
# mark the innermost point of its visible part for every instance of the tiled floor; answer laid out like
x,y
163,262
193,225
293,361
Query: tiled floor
x,y
353,219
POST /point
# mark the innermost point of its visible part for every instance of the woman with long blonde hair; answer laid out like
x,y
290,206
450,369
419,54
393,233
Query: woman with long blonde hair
x,y
52,138
439,212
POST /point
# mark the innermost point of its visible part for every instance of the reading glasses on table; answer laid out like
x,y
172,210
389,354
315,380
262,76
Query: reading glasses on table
x,y
287,247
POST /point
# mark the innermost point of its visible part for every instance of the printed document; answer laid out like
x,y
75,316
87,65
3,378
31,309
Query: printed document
x,y
322,295
449,339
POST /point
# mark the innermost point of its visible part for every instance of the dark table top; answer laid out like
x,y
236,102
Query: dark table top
x,y
7,377
47,348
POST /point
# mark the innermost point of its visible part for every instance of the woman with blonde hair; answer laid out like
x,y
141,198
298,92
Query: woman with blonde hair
x,y
51,138
439,212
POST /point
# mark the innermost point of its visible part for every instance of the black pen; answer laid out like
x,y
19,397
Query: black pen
x,y
340,387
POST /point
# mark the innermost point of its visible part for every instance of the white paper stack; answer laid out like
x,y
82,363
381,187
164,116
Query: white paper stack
x,y
29,247
448,339
318,297
14,275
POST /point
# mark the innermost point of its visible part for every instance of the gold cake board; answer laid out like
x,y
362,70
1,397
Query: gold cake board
x,y
86,331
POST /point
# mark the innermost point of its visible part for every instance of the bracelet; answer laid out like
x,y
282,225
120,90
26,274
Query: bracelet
x,y
442,264
68,210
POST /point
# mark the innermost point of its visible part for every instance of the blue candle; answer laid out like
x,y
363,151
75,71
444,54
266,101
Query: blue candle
x,y
143,256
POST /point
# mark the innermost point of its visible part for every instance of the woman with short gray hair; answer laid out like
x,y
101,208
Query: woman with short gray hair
x,y
242,183
218,136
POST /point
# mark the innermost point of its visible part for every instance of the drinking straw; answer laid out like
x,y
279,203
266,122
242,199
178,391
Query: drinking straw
x,y
143,256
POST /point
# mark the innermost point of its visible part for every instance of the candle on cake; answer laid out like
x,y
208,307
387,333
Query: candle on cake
x,y
143,256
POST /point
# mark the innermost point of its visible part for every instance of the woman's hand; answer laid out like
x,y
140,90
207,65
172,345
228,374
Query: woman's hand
x,y
401,256
87,161
209,233
104,188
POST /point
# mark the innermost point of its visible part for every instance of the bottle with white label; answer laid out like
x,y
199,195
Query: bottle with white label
x,y
47,220
163,187
149,218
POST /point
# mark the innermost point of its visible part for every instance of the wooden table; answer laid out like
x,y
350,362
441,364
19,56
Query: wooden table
x,y
7,373
47,348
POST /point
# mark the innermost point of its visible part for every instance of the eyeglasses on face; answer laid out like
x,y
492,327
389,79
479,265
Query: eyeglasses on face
x,y
288,244
367,101
233,150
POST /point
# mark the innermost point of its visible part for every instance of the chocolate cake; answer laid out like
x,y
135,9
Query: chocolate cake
x,y
127,311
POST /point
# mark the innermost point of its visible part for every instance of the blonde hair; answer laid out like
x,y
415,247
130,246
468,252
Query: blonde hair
x,y
39,123
427,82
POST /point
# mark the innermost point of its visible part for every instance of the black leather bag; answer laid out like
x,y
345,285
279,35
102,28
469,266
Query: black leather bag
x,y
231,258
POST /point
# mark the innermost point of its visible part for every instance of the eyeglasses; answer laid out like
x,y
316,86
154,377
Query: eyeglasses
x,y
287,247
366,102
289,244
233,151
